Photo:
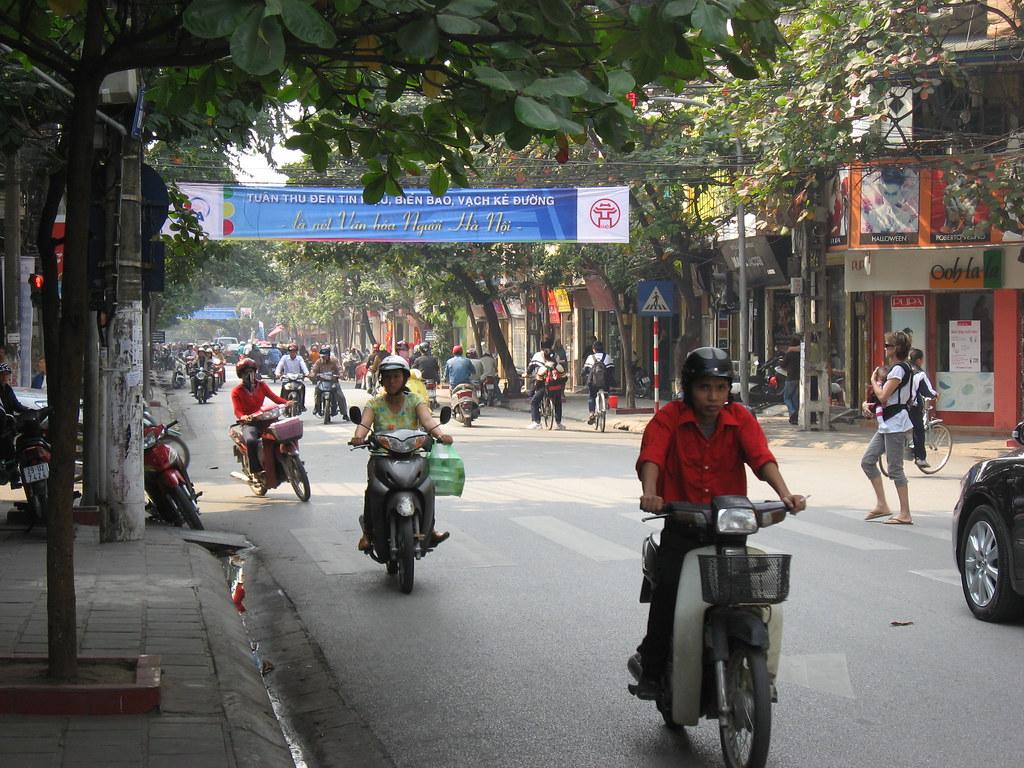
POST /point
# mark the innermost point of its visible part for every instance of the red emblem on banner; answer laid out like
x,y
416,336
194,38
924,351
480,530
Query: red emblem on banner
x,y
605,213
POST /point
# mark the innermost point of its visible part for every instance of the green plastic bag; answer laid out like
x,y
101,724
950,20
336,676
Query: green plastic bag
x,y
446,469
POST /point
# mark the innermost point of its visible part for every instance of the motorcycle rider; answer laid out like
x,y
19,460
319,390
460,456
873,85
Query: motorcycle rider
x,y
427,364
326,363
489,371
292,363
247,400
458,369
693,450
201,363
394,408
8,399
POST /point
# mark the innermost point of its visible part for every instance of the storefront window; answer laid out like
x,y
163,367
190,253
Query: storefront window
x,y
964,350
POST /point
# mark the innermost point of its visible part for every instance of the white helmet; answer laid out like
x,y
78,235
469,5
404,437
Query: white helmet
x,y
393,363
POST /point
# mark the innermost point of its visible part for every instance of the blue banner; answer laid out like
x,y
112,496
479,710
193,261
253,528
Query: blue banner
x,y
588,214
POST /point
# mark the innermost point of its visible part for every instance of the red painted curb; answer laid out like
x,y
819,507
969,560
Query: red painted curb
x,y
632,411
86,515
86,699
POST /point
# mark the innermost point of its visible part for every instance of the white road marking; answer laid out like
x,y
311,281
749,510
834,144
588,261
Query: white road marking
x,y
826,672
576,539
942,575
919,530
797,525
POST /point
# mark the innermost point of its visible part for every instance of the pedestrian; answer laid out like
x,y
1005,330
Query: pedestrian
x,y
922,388
791,387
39,379
894,391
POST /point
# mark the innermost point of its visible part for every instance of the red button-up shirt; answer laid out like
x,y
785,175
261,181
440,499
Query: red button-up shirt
x,y
694,468
245,402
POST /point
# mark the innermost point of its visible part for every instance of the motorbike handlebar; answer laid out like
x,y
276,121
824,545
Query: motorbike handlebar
x,y
699,515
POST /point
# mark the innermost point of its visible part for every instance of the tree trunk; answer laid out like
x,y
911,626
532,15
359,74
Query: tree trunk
x,y
515,384
64,335
367,328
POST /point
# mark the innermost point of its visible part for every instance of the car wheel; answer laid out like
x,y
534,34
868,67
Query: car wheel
x,y
985,567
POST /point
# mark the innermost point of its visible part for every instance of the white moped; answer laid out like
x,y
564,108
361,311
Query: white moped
x,y
727,630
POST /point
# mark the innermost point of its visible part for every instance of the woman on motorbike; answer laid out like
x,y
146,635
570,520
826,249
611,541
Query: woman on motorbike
x,y
395,408
247,401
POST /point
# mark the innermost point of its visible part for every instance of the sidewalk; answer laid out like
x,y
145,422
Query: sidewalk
x,y
980,443
160,596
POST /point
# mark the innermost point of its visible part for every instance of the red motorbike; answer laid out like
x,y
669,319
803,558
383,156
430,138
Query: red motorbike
x,y
279,452
172,497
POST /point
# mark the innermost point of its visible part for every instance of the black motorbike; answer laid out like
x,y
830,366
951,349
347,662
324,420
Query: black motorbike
x,y
766,386
294,390
25,459
202,384
329,400
400,498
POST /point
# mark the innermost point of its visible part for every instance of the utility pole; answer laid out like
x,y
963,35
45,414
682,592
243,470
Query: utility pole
x,y
124,519
12,250
809,244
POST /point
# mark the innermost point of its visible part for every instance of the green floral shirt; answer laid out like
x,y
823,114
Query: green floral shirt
x,y
386,420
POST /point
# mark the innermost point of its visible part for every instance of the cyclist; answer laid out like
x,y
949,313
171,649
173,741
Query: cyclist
x,y
922,388
549,376
598,370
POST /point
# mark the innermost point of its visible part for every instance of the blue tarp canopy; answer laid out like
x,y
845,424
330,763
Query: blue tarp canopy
x,y
215,313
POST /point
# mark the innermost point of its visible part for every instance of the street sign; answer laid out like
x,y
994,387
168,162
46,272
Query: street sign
x,y
157,337
655,298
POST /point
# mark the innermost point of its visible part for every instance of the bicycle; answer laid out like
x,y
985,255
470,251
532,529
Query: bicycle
x,y
600,410
937,439
547,408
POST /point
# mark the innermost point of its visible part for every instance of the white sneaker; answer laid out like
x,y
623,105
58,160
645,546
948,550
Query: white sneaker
x,y
922,463
534,425
559,426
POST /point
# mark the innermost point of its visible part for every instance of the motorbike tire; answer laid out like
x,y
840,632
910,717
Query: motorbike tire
x,y
38,500
297,477
406,554
179,447
187,508
201,393
745,738
327,407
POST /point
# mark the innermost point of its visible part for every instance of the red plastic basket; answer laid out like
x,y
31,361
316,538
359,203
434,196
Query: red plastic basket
x,y
286,429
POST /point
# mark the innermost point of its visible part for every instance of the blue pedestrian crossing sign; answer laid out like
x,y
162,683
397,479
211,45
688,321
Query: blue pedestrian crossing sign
x,y
655,298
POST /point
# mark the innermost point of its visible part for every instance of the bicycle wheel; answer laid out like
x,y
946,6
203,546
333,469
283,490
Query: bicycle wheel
x,y
939,441
548,412
600,411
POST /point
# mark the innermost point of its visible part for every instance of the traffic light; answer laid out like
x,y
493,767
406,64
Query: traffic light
x,y
35,285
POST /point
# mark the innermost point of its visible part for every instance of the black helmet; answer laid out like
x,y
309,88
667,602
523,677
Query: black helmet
x,y
706,361
325,350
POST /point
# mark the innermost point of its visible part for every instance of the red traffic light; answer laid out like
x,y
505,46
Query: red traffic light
x,y
35,281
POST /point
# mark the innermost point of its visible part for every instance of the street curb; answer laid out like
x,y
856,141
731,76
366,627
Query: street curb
x,y
313,711
255,734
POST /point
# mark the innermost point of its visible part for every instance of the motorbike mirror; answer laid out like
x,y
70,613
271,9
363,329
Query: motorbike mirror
x,y
1018,433
445,415
355,415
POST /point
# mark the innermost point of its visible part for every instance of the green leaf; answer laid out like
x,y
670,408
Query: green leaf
x,y
499,118
373,187
534,114
678,8
471,8
711,21
214,18
257,45
438,182
557,12
620,82
518,136
306,24
345,7
395,89
457,25
418,38
566,85
492,78
738,65
510,51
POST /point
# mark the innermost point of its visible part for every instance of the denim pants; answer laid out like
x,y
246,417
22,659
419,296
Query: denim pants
x,y
791,396
892,445
538,398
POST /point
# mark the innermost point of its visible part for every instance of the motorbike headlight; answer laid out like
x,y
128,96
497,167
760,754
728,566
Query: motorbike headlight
x,y
148,440
736,520
405,507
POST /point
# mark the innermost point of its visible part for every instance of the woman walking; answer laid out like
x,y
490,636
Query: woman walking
x,y
894,392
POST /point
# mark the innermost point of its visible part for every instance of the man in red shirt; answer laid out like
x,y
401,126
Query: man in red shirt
x,y
694,450
247,400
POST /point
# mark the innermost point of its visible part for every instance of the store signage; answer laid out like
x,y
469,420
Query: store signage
x,y
970,272
908,301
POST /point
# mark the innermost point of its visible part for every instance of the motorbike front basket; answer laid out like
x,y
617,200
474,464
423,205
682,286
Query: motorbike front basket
x,y
744,579
286,429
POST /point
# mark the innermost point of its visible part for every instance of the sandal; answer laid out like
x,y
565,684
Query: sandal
x,y
897,521
873,515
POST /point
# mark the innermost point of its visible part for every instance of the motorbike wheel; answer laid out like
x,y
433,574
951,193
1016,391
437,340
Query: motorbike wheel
x,y
187,508
297,477
39,500
746,735
406,554
392,567
179,447
327,406
202,395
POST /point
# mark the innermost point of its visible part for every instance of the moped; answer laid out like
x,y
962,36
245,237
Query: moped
x,y
279,452
727,631
170,490
294,390
400,498
464,404
328,400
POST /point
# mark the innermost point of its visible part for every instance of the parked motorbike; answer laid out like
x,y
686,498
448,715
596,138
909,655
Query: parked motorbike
x,y
293,389
172,496
170,436
279,453
464,404
32,453
641,382
329,400
489,393
401,498
728,627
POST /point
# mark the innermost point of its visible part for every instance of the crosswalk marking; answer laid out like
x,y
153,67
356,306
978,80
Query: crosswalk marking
x,y
917,530
576,539
942,575
826,672
823,532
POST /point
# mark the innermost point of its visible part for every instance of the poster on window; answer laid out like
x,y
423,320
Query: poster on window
x,y
956,220
965,345
839,208
890,199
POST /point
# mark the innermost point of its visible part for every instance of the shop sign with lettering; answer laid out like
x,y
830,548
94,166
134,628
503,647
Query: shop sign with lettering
x,y
966,273
908,301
